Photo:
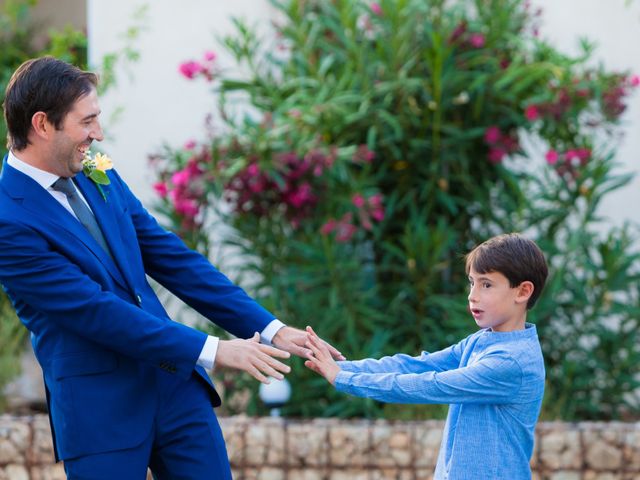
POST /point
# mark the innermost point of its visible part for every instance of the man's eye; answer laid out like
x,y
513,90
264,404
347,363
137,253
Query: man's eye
x,y
486,285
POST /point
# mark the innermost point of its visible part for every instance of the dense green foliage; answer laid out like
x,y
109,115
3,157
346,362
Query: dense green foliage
x,y
370,146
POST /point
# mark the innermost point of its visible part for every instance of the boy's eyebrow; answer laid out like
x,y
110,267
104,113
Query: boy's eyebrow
x,y
487,279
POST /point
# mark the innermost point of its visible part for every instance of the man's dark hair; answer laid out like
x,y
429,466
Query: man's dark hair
x,y
44,85
515,257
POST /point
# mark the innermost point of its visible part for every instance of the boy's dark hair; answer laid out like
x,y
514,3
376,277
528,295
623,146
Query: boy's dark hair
x,y
44,85
517,258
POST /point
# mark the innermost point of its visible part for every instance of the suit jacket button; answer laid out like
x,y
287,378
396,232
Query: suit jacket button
x,y
138,300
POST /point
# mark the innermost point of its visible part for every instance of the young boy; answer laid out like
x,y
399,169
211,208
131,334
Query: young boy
x,y
493,379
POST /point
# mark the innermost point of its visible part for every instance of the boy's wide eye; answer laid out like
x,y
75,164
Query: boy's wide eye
x,y
486,285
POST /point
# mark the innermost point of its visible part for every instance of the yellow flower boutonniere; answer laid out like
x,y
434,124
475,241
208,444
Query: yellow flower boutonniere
x,y
95,169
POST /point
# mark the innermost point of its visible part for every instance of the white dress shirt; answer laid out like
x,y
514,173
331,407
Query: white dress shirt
x,y
46,179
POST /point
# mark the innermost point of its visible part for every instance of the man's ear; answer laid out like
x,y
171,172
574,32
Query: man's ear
x,y
41,125
525,290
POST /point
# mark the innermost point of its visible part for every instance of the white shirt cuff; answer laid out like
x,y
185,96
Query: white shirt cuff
x,y
270,331
207,356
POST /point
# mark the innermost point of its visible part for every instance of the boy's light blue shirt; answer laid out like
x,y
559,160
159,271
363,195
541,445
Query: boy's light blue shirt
x,y
494,382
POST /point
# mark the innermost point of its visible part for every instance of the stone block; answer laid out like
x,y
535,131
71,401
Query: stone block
x,y
391,474
591,475
265,443
308,474
308,444
51,472
348,474
264,473
349,444
563,475
41,451
424,474
631,450
426,445
559,448
17,472
603,448
234,431
391,444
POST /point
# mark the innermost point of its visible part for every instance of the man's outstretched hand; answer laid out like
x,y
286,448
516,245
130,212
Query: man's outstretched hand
x,y
252,357
320,359
294,341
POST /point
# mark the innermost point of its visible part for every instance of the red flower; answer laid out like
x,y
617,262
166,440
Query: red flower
x,y
190,69
492,135
477,40
161,189
496,155
358,200
552,157
531,113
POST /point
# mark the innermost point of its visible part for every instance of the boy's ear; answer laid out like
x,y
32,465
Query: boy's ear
x,y
525,290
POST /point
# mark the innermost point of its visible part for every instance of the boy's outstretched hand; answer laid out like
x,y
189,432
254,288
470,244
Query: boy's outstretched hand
x,y
320,359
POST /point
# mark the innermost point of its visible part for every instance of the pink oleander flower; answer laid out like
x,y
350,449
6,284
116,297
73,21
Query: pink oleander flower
x,y
358,200
209,56
190,69
181,178
345,230
531,113
552,157
578,156
364,155
253,170
477,40
186,207
375,200
376,9
634,80
496,155
492,135
161,189
329,226
189,144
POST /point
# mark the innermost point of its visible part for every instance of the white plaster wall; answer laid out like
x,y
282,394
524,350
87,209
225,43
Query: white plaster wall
x,y
614,25
161,106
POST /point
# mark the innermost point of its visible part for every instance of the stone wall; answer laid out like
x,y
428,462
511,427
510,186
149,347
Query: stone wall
x,y
331,449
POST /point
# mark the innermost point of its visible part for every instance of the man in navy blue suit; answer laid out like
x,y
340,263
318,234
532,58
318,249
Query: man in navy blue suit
x,y
126,385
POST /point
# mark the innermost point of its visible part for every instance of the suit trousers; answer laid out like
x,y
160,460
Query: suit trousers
x,y
185,443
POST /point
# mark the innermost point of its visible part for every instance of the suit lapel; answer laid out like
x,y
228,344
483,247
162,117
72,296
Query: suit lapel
x,y
105,216
47,210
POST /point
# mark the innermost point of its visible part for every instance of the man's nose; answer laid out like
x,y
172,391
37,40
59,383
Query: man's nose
x,y
97,133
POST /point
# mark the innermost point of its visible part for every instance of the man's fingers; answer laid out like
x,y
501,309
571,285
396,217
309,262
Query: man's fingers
x,y
273,351
273,363
269,370
298,350
255,373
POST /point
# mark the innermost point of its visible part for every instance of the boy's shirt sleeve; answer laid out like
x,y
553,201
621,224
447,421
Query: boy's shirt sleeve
x,y
440,361
495,378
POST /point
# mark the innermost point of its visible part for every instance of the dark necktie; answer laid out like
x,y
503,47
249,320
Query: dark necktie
x,y
84,214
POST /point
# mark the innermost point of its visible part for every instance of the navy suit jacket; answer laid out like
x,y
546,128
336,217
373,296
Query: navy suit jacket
x,y
98,329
